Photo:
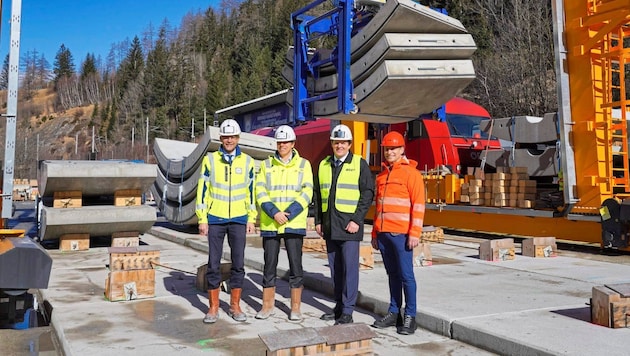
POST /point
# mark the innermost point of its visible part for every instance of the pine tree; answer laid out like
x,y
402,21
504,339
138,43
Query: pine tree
x,y
64,64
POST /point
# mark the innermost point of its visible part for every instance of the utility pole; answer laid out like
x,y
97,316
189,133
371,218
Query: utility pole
x,y
146,140
205,125
192,128
76,144
133,134
12,99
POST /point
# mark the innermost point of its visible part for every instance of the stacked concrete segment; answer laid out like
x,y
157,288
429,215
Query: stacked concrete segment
x,y
406,61
533,143
97,181
179,164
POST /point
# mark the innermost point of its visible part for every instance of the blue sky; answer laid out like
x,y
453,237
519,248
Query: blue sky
x,y
90,26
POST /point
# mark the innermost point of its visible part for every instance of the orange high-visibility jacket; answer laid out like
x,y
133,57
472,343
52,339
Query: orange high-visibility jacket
x,y
400,199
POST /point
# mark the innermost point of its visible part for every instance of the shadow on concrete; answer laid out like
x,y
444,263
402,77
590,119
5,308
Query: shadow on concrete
x,y
583,314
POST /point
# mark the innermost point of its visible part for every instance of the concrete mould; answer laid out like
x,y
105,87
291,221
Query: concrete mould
x,y
180,160
101,220
399,91
94,178
539,163
523,129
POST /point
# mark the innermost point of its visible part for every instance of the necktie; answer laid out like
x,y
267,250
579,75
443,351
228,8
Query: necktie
x,y
337,162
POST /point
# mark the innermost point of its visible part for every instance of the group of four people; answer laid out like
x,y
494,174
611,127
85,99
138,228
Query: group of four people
x,y
342,192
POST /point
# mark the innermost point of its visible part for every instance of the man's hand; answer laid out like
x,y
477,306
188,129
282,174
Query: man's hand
x,y
251,228
203,229
352,227
281,217
412,242
318,228
375,244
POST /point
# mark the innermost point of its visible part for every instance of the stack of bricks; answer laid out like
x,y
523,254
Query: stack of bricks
x,y
508,187
472,191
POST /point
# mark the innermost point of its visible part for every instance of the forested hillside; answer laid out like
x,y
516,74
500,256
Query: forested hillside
x,y
220,57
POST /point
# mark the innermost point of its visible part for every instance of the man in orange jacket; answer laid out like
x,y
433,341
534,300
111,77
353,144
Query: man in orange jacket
x,y
400,203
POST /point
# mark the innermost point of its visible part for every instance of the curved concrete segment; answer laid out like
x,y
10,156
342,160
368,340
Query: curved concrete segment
x,y
539,163
180,160
174,212
95,220
523,129
94,178
395,46
396,16
29,262
399,91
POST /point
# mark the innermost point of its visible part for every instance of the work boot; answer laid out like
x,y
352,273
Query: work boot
x,y
333,315
344,319
213,310
296,301
390,319
235,308
269,295
408,326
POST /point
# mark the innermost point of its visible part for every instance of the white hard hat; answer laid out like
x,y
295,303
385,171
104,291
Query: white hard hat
x,y
341,133
229,127
284,133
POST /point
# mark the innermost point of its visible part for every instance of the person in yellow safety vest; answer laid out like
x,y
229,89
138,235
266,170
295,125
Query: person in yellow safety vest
x,y
344,191
225,205
284,190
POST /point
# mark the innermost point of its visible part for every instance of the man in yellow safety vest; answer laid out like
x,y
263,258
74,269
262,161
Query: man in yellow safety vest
x,y
225,206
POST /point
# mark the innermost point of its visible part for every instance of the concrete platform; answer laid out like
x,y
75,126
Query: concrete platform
x,y
99,220
94,178
526,306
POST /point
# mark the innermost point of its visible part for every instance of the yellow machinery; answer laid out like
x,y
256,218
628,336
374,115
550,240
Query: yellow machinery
x,y
592,47
591,60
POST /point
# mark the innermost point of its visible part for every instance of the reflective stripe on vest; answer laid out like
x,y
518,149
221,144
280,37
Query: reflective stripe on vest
x,y
347,190
229,184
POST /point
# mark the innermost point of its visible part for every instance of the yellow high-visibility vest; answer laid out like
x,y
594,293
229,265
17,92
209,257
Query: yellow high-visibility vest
x,y
282,184
347,190
223,190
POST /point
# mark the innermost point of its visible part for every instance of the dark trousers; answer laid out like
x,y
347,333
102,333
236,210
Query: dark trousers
x,y
398,261
343,259
236,240
271,246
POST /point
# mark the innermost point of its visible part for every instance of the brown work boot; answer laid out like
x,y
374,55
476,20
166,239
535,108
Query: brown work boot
x,y
235,308
296,301
269,296
213,310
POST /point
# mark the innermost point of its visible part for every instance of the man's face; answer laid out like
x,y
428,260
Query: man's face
x,y
229,143
285,148
393,154
340,148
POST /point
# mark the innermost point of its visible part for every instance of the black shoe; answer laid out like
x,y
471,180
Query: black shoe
x,y
334,315
408,326
390,319
344,319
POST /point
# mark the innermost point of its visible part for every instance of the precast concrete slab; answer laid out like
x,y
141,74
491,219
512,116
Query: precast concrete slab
x,y
94,178
399,91
523,129
96,220
395,46
181,213
539,162
180,160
